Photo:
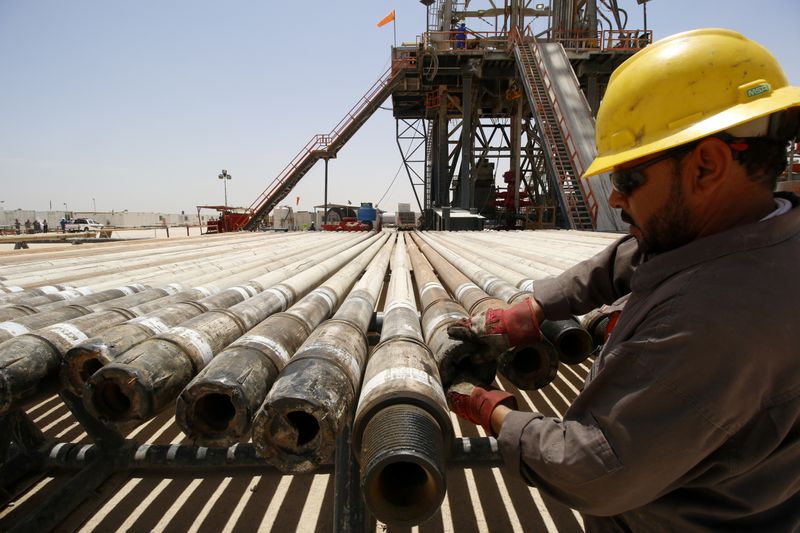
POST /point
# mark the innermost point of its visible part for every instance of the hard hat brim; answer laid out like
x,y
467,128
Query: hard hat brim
x,y
780,99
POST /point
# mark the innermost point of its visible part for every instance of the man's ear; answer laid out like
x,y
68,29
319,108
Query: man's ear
x,y
709,165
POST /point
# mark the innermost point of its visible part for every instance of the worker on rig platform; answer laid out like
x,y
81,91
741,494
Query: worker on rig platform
x,y
690,416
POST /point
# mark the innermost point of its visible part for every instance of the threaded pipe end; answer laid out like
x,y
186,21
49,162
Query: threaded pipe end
x,y
403,467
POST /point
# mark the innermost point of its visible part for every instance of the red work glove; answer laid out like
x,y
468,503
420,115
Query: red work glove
x,y
477,404
500,329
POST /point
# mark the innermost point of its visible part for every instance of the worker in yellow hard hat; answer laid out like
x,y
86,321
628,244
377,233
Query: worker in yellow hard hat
x,y
690,416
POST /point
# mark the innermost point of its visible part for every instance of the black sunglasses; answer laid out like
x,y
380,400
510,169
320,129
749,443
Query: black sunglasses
x,y
627,180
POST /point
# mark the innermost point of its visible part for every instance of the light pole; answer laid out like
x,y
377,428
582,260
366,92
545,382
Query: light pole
x,y
94,206
225,177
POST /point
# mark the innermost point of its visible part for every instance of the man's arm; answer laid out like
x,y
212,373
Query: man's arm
x,y
599,280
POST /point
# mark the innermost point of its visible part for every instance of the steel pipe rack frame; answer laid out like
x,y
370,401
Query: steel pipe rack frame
x,y
112,453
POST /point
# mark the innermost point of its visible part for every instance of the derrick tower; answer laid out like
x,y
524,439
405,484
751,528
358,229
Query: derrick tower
x,y
495,121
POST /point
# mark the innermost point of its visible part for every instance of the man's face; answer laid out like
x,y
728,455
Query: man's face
x,y
657,211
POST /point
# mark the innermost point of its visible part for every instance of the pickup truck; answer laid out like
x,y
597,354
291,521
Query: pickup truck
x,y
83,224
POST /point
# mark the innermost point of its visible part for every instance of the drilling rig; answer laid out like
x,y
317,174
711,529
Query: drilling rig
x,y
490,96
480,94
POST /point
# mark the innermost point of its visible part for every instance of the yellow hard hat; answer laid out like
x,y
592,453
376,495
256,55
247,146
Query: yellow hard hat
x,y
683,88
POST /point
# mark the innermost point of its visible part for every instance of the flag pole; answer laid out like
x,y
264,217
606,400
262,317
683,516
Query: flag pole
x,y
394,29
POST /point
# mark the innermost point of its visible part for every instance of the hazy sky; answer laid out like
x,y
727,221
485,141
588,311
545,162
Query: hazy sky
x,y
139,105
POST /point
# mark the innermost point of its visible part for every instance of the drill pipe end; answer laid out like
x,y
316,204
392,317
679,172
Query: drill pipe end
x,y
212,416
28,366
80,363
573,342
455,357
529,367
217,407
309,404
403,465
118,393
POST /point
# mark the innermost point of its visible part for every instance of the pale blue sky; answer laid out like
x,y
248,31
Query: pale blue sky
x,y
139,105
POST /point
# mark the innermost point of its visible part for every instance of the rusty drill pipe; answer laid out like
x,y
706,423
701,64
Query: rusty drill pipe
x,y
134,266
218,406
475,300
36,300
313,398
40,320
147,378
85,359
20,296
571,340
402,427
82,296
527,367
438,312
30,362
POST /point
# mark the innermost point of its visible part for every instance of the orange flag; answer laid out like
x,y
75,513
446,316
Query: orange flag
x,y
387,19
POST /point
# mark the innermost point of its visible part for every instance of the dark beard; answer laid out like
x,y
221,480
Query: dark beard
x,y
669,227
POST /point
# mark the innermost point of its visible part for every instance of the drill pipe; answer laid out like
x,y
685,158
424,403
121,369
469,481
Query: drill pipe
x,y
85,359
30,361
402,427
218,406
135,266
81,296
134,295
52,292
148,377
573,343
439,312
313,398
527,367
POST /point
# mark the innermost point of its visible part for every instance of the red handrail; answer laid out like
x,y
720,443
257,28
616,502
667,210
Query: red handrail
x,y
323,142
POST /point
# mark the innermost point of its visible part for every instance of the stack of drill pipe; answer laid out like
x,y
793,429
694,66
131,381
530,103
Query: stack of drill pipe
x,y
80,297
81,361
29,361
573,342
313,399
79,253
475,300
402,429
527,367
22,295
439,311
145,379
552,256
127,264
84,296
218,406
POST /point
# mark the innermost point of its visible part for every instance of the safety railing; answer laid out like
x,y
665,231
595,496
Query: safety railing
x,y
605,40
326,145
472,41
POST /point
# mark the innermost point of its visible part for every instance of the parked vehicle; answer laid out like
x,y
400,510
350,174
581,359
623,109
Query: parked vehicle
x,y
83,224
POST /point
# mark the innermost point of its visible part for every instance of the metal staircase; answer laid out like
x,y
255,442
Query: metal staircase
x,y
577,200
325,146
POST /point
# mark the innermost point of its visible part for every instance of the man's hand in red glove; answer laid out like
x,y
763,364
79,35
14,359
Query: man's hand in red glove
x,y
501,329
477,404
